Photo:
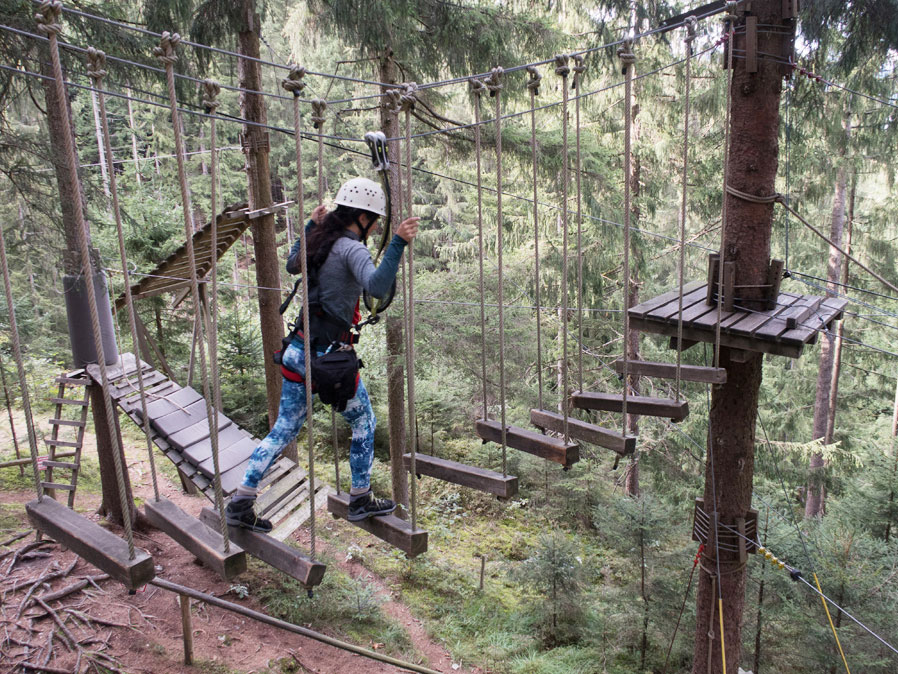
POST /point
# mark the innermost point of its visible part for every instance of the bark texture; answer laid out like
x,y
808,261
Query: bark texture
x,y
729,473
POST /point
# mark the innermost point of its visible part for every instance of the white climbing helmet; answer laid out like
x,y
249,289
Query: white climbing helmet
x,y
362,193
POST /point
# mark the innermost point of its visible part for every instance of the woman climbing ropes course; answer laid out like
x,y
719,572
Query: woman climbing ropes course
x,y
340,268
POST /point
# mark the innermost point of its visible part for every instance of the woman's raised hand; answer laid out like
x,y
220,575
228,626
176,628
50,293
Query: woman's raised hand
x,y
319,213
408,229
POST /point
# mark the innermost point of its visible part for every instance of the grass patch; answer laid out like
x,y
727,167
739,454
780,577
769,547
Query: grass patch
x,y
12,520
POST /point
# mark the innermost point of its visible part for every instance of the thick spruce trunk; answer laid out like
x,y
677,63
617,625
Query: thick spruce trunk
x,y
729,473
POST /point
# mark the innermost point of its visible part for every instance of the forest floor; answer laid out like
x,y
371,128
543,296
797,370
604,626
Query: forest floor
x,y
142,633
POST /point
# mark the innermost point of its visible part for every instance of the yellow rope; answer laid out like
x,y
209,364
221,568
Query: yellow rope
x,y
723,650
830,618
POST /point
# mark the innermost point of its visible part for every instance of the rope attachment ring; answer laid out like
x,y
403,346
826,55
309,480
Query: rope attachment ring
x,y
319,112
168,46
96,64
535,79
294,82
493,82
408,96
211,89
691,24
626,56
47,17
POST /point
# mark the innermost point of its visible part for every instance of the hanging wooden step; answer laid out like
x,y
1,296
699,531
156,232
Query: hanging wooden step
x,y
91,542
388,528
531,442
206,544
276,553
584,431
481,479
645,368
675,410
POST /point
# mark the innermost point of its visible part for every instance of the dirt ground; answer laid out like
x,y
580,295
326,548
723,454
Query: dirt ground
x,y
142,633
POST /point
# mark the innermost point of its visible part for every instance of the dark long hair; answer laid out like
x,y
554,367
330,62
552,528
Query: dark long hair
x,y
324,235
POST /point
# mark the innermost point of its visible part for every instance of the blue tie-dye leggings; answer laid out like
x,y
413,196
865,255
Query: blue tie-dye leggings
x,y
292,415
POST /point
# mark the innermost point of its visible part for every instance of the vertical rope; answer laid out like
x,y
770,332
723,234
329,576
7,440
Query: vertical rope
x,y
579,68
533,87
691,23
477,89
627,58
20,367
48,23
211,89
562,69
830,618
165,52
96,69
494,84
295,84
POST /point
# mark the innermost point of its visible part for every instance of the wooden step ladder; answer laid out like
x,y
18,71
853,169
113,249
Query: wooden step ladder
x,y
474,477
67,436
543,446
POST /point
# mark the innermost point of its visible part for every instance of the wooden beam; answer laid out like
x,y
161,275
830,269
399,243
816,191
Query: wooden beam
x,y
271,551
543,446
205,543
481,479
675,410
645,368
388,528
91,542
584,431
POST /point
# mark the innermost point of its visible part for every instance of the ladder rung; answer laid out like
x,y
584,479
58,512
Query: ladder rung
x,y
57,485
64,455
63,443
74,381
61,464
68,422
67,401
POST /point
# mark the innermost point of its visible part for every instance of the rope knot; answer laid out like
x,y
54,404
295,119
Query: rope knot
x,y
493,81
626,56
730,14
579,68
47,17
168,44
561,66
478,87
535,78
319,112
294,82
408,96
691,26
96,64
211,89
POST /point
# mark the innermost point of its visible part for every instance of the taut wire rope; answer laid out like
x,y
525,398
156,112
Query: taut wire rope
x,y
295,84
48,23
627,59
494,85
96,65
579,68
478,88
211,89
563,70
533,86
689,39
166,53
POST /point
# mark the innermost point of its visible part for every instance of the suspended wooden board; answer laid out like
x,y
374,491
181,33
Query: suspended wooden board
x,y
675,410
531,442
697,373
794,322
481,479
388,528
583,431
91,542
272,551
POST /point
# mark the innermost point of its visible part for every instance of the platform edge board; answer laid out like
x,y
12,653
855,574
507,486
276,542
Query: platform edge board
x,y
697,373
474,477
645,307
91,542
205,543
584,431
388,528
543,446
675,410
271,551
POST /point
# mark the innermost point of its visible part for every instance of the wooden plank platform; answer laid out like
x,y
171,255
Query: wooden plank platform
x,y
229,457
388,528
204,542
91,542
583,431
698,373
794,322
531,442
481,479
272,551
675,410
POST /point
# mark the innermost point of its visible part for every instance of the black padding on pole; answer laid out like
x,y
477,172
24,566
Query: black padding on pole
x,y
78,312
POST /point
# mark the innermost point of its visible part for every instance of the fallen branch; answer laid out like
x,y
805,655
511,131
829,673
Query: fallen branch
x,y
74,587
72,641
15,538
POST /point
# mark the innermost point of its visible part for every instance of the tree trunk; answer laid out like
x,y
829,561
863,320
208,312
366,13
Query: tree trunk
x,y
131,127
256,148
729,472
394,329
814,504
101,150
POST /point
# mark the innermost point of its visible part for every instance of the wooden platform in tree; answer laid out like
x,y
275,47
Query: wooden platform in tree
x,y
388,528
796,320
523,440
91,542
583,431
474,477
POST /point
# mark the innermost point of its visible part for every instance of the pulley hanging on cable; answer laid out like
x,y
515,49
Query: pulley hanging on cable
x,y
377,144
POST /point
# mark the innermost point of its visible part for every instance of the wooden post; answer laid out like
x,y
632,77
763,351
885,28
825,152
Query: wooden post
x,y
186,628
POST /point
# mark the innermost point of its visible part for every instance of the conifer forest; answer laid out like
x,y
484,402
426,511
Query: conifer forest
x,y
636,389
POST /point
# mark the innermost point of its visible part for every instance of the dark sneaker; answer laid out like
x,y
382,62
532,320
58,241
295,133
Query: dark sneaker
x,y
363,506
241,514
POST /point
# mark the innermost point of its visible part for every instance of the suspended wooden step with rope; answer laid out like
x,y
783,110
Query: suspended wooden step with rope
x,y
584,431
675,410
543,446
696,373
481,479
389,528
